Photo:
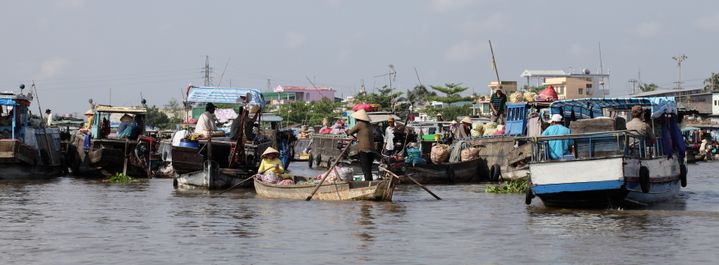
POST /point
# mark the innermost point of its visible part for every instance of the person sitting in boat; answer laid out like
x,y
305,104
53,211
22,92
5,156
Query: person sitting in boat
x,y
132,130
304,132
206,124
271,169
363,130
642,128
558,148
463,130
339,127
125,120
325,127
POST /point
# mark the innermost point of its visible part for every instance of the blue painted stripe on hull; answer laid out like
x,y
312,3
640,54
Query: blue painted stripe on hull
x,y
575,187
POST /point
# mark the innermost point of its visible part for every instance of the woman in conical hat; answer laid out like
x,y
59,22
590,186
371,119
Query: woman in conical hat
x,y
271,165
363,130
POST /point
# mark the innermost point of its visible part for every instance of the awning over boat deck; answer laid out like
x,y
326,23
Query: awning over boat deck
x,y
227,95
383,117
588,108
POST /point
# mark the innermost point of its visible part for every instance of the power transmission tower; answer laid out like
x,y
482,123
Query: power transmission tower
x,y
207,71
680,59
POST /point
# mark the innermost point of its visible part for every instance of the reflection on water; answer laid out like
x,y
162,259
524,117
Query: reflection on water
x,y
81,221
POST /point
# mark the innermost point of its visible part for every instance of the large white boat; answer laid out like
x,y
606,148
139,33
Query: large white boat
x,y
610,168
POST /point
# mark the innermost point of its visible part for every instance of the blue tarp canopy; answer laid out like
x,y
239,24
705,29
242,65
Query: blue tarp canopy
x,y
587,108
7,102
228,95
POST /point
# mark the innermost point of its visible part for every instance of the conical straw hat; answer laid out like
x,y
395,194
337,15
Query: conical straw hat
x,y
270,150
361,115
467,120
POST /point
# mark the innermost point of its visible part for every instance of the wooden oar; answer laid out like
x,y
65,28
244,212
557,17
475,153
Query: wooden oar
x,y
413,180
238,184
328,171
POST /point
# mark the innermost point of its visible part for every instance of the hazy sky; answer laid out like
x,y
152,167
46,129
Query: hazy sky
x,y
80,49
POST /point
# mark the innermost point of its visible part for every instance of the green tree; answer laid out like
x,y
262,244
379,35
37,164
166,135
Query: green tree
x,y
176,110
712,83
310,113
451,93
450,112
646,87
385,97
420,94
157,118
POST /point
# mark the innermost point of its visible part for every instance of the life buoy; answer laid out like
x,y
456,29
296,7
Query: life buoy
x,y
683,175
495,173
644,179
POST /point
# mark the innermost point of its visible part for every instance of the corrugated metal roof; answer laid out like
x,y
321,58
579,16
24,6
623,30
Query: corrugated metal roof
x,y
229,95
111,109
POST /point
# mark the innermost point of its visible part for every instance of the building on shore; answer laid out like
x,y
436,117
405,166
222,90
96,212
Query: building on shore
x,y
306,94
509,87
570,85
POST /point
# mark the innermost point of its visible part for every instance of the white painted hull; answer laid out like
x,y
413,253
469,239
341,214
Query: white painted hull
x,y
604,182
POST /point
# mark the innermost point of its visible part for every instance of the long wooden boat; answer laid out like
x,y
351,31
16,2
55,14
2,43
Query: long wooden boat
x,y
26,151
471,171
380,190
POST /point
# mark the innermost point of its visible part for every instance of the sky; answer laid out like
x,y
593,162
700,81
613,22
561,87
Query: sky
x,y
116,51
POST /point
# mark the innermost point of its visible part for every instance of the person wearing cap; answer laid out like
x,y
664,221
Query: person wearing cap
x,y
389,137
206,123
363,130
637,124
48,112
464,129
498,102
271,164
557,148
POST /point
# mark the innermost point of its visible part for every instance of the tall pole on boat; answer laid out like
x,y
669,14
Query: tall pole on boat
x,y
42,124
494,66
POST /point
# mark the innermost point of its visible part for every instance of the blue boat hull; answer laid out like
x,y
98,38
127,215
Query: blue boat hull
x,y
605,194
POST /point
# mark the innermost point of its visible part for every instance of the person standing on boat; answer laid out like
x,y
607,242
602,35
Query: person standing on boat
x,y
637,124
363,131
557,148
464,129
389,137
48,112
498,102
206,123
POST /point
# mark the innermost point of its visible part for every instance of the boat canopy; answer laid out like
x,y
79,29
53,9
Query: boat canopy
x,y
228,95
587,108
111,109
9,99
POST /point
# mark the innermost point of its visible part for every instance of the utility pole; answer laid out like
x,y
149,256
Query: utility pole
x,y
680,59
207,71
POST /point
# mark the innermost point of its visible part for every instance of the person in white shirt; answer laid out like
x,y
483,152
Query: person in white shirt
x,y
389,137
206,123
48,112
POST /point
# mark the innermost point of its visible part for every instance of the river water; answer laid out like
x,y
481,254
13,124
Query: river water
x,y
81,221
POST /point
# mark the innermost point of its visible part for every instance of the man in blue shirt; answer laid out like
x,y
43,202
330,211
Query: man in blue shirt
x,y
557,148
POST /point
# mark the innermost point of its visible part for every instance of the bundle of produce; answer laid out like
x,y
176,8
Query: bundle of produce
x,y
439,153
516,97
470,154
477,129
490,128
529,96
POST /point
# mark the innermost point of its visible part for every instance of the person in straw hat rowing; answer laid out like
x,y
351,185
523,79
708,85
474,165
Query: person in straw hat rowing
x,y
363,130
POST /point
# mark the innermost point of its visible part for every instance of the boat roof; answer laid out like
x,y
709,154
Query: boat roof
x,y
111,109
376,117
8,98
587,108
227,95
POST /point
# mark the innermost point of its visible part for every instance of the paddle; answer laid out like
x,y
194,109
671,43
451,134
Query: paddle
x,y
413,180
328,171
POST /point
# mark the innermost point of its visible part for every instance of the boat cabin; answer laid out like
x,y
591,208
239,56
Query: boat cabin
x,y
108,121
14,115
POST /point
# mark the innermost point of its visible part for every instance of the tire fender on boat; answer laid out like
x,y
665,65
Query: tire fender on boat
x,y
644,179
310,160
495,173
683,175
528,197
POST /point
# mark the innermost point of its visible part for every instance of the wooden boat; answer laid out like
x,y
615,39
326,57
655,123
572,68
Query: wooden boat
x,y
26,151
613,168
380,190
446,173
107,153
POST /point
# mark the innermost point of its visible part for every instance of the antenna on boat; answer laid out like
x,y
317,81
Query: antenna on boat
x,y
494,66
601,70
223,71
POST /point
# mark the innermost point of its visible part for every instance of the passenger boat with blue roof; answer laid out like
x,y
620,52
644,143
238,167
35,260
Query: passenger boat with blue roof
x,y
610,168
28,150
